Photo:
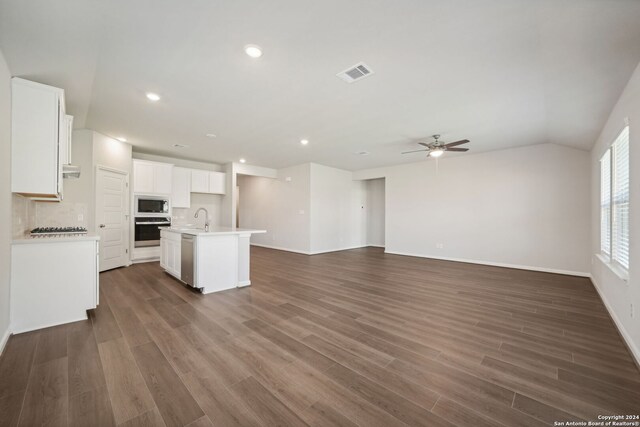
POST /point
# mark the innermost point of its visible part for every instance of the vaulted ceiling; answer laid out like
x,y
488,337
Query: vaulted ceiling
x,y
501,73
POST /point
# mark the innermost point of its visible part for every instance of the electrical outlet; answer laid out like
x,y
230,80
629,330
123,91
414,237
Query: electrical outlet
x,y
439,245
80,217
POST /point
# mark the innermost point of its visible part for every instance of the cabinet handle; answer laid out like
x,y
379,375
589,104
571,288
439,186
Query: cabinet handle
x,y
102,226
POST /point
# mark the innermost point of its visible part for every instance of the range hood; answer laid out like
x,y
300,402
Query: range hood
x,y
70,171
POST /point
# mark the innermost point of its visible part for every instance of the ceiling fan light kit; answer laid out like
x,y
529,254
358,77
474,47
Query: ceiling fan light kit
x,y
436,148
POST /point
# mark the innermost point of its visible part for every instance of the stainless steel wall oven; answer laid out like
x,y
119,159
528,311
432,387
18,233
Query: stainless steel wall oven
x,y
147,230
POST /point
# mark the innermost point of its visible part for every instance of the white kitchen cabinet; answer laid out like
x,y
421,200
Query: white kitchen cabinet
x,y
217,182
37,121
170,252
163,178
199,181
143,176
66,131
164,252
152,177
208,182
61,289
181,189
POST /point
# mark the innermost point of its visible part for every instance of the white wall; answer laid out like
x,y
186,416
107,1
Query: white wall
x,y
375,211
278,205
525,207
6,231
229,202
111,153
617,294
337,210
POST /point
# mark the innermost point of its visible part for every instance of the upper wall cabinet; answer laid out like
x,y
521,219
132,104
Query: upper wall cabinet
x,y
38,138
208,182
217,182
181,190
65,140
152,177
199,181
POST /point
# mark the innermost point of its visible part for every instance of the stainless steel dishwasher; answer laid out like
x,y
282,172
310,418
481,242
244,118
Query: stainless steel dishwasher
x,y
187,263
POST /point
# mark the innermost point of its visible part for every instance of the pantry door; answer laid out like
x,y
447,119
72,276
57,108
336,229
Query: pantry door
x,y
112,217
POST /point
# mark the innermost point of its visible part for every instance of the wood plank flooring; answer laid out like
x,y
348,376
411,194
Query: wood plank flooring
x,y
352,338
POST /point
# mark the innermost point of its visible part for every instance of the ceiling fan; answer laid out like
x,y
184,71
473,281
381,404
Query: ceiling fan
x,y
437,148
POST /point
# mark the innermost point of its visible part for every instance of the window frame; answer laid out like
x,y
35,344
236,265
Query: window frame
x,y
608,258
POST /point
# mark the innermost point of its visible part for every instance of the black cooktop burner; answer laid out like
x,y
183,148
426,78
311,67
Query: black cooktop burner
x,y
44,231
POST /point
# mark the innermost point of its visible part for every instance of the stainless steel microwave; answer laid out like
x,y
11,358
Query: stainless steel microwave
x,y
151,205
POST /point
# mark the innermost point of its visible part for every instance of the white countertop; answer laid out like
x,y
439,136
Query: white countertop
x,y
213,231
27,239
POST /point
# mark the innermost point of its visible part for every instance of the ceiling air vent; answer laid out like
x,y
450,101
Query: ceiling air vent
x,y
355,73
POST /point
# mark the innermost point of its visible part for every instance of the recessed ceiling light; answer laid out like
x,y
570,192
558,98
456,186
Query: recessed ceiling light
x,y
153,96
211,135
253,51
122,139
243,161
363,153
180,146
304,141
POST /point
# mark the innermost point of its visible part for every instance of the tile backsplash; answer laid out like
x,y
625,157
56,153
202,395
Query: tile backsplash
x,y
61,214
28,214
211,202
23,215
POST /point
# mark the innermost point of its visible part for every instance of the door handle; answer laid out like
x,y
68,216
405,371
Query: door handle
x,y
102,226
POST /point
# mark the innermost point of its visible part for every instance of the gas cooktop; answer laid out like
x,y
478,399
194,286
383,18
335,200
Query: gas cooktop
x,y
58,231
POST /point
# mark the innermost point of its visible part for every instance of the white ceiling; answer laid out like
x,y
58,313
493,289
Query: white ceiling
x,y
501,73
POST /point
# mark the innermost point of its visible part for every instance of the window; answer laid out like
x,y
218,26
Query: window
x,y
605,203
614,201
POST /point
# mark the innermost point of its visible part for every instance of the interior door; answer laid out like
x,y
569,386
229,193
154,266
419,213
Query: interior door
x,y
112,217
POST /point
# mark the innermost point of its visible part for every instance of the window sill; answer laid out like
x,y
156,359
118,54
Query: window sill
x,y
615,268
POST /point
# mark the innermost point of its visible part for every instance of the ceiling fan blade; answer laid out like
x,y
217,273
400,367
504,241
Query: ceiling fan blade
x,y
424,144
457,149
414,151
453,144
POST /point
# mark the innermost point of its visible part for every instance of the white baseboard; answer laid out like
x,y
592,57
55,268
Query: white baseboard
x,y
633,349
23,329
244,283
3,341
495,264
279,248
141,260
375,246
325,251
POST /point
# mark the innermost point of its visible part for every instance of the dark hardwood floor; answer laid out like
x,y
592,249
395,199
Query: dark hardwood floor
x,y
348,338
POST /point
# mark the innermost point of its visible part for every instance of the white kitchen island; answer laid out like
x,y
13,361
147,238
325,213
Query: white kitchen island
x,y
212,261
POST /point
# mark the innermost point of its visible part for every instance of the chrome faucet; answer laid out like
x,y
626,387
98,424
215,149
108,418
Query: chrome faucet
x,y
206,218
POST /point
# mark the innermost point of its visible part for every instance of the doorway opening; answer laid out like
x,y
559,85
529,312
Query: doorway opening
x,y
375,212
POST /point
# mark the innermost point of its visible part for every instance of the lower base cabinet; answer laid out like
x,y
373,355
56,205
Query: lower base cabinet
x,y
53,281
170,247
